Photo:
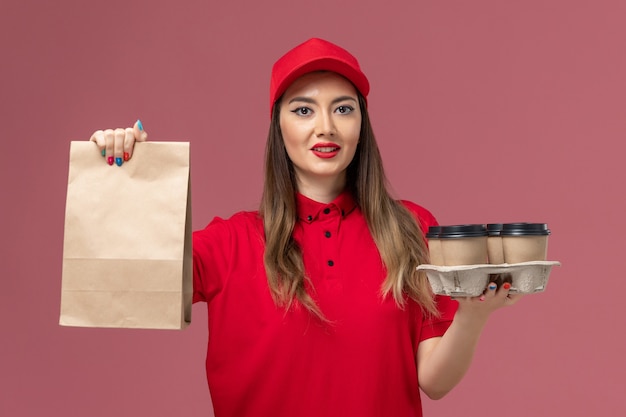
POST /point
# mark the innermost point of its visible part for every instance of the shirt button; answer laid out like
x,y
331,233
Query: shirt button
x,y
309,218
326,210
327,233
331,263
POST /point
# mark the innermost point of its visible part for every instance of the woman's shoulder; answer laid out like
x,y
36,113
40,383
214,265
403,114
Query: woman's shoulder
x,y
242,218
252,216
423,215
242,221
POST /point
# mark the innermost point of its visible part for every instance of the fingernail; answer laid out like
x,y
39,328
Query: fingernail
x,y
126,156
482,298
104,152
118,162
110,160
139,124
506,285
492,286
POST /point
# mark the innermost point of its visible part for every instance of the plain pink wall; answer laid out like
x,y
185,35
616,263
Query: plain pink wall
x,y
485,111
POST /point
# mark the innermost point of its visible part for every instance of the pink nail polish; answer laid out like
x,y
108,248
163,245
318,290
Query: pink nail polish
x,y
110,160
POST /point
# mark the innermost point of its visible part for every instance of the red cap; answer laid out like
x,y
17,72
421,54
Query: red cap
x,y
315,55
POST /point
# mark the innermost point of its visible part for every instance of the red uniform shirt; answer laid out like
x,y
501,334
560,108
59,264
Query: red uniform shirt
x,y
263,361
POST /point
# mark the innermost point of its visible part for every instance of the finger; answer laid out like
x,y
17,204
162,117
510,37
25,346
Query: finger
x,y
109,143
98,139
140,134
118,146
496,278
129,143
491,289
507,278
503,291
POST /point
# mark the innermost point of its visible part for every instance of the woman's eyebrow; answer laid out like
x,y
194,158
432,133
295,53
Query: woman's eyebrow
x,y
312,101
302,99
344,98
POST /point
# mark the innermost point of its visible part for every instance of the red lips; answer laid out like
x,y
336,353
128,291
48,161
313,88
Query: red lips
x,y
325,150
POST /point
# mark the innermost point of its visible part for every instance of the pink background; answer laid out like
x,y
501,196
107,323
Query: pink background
x,y
485,111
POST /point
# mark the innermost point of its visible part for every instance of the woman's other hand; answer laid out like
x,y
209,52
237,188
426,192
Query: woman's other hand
x,y
493,298
116,145
443,361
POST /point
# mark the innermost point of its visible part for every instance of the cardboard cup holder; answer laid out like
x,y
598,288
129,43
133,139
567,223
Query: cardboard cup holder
x,y
471,280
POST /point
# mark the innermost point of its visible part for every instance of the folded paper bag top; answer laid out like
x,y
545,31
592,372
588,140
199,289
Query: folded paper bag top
x,y
138,275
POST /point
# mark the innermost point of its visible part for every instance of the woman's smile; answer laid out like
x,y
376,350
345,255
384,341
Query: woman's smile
x,y
325,150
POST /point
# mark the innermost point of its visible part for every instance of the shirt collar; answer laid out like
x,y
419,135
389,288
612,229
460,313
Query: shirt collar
x,y
309,210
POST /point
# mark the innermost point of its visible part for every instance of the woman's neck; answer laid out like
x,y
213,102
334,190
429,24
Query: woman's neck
x,y
321,190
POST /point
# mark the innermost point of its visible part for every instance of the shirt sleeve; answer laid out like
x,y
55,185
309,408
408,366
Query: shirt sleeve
x,y
433,326
211,248
424,217
437,326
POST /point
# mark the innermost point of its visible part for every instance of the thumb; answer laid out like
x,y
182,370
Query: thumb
x,y
140,134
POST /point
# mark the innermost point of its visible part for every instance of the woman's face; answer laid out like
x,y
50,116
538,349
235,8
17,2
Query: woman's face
x,y
320,122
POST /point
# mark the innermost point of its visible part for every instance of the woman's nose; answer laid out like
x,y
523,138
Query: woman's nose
x,y
325,125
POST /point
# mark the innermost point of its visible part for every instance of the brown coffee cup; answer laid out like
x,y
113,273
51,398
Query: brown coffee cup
x,y
524,242
463,244
434,245
495,252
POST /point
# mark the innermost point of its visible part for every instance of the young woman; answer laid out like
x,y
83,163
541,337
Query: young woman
x,y
315,304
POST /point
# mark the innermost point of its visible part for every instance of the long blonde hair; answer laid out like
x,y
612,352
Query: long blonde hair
x,y
394,229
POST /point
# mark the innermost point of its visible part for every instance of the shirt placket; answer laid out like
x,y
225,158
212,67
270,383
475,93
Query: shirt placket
x,y
328,230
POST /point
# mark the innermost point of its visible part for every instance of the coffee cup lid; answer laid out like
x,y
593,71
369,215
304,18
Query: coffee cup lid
x,y
433,232
462,230
524,229
493,229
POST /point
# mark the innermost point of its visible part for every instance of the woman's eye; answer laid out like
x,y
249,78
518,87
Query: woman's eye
x,y
302,111
345,109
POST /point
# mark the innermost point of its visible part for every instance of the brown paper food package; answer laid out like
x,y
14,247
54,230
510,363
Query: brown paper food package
x,y
127,260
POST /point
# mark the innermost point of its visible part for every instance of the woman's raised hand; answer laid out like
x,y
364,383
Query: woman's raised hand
x,y
492,299
116,145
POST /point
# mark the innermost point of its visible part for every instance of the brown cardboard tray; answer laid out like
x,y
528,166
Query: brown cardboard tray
x,y
471,280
